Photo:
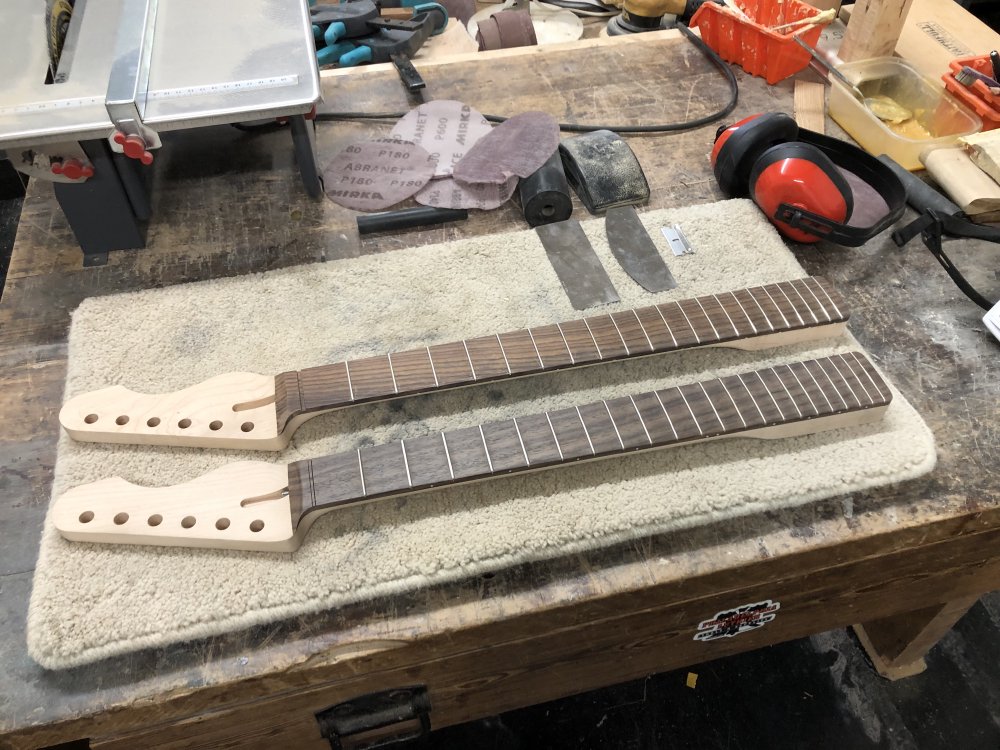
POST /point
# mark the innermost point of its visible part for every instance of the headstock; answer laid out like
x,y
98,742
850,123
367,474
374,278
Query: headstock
x,y
235,410
244,505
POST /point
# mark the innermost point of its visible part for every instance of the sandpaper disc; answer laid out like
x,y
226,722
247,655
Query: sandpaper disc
x,y
447,193
515,147
446,128
372,175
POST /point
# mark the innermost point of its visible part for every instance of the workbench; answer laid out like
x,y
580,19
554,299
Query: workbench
x,y
906,561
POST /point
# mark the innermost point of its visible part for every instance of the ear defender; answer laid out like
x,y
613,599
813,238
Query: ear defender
x,y
738,146
798,180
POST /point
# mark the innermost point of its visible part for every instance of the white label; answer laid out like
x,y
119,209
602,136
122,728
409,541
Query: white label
x,y
732,622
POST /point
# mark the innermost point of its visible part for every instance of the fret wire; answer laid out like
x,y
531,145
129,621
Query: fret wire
x,y
804,303
833,361
666,414
447,455
781,288
641,421
712,404
730,317
361,472
406,463
608,408
876,384
594,338
822,392
643,329
787,392
735,405
535,347
517,429
680,307
696,422
770,395
486,448
586,432
763,312
827,295
619,331
749,319
787,324
433,368
857,377
804,389
809,288
506,363
472,367
392,373
572,359
665,323
833,385
709,319
752,398
350,387
554,436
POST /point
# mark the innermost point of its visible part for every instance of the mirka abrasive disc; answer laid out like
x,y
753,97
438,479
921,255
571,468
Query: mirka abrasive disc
x,y
446,128
373,175
514,148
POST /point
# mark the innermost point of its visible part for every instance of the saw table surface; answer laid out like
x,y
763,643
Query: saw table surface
x,y
906,560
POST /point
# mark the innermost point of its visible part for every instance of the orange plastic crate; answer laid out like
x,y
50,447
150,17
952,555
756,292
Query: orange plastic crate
x,y
770,55
977,97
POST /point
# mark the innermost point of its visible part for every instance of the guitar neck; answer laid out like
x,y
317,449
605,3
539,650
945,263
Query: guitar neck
x,y
748,318
255,505
780,401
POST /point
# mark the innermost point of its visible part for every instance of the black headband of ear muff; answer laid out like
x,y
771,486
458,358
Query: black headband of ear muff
x,y
867,168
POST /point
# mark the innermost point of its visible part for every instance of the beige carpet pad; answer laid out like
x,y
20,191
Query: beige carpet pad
x,y
94,601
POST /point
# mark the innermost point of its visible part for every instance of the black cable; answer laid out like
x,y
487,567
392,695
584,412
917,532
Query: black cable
x,y
714,58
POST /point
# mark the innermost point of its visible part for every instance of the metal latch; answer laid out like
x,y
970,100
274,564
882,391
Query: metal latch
x,y
377,720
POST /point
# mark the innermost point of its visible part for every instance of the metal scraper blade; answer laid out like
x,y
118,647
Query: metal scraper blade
x,y
576,264
632,246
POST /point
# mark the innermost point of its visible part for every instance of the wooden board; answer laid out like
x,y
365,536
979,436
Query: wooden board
x,y
228,204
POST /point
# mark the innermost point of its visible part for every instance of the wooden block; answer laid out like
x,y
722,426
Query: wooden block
x,y
972,189
874,29
810,105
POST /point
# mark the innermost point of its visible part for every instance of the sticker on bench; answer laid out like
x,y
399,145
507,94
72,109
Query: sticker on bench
x,y
732,622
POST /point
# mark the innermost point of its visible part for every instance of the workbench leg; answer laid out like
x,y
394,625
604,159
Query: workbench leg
x,y
896,645
304,141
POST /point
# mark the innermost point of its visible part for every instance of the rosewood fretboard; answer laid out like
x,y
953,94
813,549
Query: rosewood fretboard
x,y
785,400
710,320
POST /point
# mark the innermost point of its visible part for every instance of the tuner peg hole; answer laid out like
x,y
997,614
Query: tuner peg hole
x,y
222,524
87,516
256,526
188,521
216,425
90,418
155,520
122,420
152,421
121,518
246,426
184,423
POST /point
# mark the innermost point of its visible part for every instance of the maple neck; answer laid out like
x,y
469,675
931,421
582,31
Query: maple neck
x,y
711,320
257,505
795,398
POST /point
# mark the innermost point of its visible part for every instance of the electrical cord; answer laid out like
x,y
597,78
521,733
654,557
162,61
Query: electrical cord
x,y
712,56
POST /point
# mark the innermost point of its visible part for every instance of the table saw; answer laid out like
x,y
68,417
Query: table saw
x,y
90,86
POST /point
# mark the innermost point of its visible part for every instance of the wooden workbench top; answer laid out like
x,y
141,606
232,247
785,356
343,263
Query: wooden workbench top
x,y
230,203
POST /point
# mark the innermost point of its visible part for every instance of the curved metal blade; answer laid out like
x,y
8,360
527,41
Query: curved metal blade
x,y
632,246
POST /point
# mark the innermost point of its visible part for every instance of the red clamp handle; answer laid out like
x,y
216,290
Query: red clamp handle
x,y
74,169
134,147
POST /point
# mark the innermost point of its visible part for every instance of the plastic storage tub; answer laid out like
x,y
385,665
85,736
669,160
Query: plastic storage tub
x,y
940,115
750,44
978,96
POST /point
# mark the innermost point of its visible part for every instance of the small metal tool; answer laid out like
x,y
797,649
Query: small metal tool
x,y
576,264
632,246
679,244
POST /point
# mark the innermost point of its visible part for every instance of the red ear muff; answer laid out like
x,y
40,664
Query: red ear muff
x,y
799,178
738,146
